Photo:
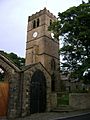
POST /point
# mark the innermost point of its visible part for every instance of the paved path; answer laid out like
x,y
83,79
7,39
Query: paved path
x,y
80,117
51,115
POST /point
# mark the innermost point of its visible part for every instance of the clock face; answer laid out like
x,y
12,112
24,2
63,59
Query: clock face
x,y
35,34
52,35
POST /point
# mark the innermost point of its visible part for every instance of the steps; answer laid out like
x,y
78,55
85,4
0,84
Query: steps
x,y
63,108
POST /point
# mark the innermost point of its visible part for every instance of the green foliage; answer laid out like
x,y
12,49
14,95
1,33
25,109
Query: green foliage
x,y
1,76
18,61
74,27
55,28
87,78
63,99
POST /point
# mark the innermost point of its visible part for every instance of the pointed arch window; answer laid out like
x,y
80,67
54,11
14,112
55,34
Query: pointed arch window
x,y
34,24
28,18
38,22
53,64
53,82
50,22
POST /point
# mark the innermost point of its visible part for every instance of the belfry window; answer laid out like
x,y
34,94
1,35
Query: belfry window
x,y
50,22
38,22
34,24
28,18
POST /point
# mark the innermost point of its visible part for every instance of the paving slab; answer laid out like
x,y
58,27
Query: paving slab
x,y
51,115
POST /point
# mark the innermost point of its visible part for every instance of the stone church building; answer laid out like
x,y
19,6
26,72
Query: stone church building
x,y
33,88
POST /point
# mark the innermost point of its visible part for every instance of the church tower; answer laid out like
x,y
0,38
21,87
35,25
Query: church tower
x,y
41,45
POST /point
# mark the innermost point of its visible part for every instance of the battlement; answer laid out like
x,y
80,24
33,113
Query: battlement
x,y
41,12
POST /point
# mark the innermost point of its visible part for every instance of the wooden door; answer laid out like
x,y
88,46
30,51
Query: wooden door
x,y
4,90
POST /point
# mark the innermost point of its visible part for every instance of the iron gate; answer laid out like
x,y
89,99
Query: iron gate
x,y
38,92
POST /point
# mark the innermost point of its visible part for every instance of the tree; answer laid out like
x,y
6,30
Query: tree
x,y
18,61
73,26
87,76
1,74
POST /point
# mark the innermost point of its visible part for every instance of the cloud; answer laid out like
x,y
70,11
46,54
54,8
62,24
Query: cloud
x,y
13,20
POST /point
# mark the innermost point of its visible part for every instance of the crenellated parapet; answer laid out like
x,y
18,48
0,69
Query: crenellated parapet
x,y
41,12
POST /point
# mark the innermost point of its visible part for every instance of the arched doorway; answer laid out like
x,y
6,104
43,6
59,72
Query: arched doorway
x,y
10,90
38,92
4,93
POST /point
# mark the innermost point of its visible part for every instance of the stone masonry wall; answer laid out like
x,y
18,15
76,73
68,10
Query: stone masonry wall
x,y
12,76
79,100
54,100
50,97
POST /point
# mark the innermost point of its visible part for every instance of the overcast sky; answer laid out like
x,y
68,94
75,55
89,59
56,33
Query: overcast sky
x,y
13,20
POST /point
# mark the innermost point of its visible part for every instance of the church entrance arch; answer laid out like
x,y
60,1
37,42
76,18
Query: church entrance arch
x,y
38,92
9,88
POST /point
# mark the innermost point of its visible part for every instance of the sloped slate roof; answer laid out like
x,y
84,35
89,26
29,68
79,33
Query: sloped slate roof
x,y
24,68
9,62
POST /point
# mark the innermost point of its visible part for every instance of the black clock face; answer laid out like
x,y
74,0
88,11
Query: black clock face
x,y
35,34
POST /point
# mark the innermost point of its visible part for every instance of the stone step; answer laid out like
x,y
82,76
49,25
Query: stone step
x,y
65,108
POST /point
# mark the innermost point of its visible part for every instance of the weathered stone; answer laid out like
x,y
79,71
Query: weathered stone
x,y
41,55
79,100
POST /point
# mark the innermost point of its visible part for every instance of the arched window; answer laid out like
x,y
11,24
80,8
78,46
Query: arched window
x,y
38,22
28,18
34,24
53,82
50,21
53,64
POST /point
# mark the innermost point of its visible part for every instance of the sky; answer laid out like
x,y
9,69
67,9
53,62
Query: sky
x,y
14,16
